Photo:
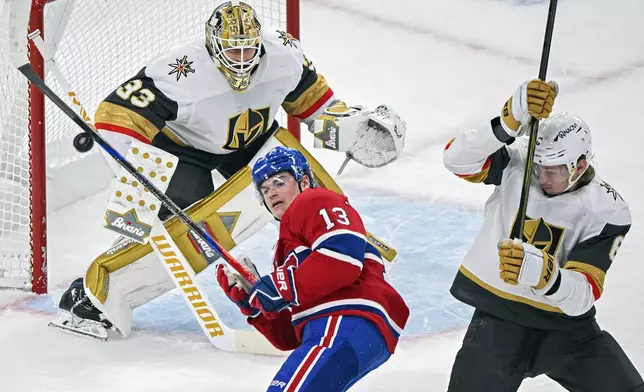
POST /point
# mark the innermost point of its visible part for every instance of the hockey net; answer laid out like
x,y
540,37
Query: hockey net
x,y
97,44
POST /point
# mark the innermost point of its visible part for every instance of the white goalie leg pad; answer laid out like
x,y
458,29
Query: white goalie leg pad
x,y
372,138
132,209
115,309
131,212
129,274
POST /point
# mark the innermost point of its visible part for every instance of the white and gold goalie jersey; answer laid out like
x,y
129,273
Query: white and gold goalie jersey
x,y
182,96
582,230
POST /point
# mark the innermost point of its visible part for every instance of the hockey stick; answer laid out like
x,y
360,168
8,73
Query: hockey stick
x,y
219,334
82,142
344,164
19,18
50,64
517,229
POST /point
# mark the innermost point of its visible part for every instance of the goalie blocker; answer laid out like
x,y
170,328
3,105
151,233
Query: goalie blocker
x,y
129,274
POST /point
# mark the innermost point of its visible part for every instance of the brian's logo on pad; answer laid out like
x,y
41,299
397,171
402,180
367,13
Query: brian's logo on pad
x,y
128,225
329,133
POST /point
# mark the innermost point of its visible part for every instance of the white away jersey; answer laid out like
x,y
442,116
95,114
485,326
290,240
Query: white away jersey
x,y
183,95
582,229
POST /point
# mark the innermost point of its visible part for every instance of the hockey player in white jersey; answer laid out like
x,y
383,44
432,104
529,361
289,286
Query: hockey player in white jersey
x,y
534,297
212,102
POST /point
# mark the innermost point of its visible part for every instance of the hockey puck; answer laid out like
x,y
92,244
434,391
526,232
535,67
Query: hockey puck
x,y
83,142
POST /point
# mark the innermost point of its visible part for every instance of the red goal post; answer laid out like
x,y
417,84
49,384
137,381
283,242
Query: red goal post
x,y
96,44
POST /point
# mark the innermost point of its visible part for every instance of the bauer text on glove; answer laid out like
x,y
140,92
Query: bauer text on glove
x,y
276,291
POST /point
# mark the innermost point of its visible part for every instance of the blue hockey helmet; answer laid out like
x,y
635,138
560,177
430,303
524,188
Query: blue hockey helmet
x,y
281,159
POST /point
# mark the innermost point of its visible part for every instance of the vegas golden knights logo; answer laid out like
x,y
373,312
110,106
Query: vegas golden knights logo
x,y
245,127
543,235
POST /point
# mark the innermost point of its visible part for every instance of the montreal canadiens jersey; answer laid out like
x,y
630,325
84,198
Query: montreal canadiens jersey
x,y
183,95
336,271
582,230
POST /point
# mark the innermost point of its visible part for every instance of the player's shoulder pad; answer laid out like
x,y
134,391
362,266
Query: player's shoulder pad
x,y
320,197
312,200
518,151
602,200
279,43
181,62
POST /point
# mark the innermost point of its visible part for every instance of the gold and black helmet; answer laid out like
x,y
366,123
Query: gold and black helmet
x,y
233,39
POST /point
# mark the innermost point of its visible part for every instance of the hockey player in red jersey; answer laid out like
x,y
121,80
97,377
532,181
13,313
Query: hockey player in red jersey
x,y
326,296
534,296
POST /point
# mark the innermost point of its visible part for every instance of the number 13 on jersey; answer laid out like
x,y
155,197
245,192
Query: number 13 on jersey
x,y
336,215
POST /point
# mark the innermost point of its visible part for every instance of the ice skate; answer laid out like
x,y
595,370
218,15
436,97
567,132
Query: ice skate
x,y
77,314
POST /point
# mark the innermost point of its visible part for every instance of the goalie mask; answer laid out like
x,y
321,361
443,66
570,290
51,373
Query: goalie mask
x,y
563,139
233,40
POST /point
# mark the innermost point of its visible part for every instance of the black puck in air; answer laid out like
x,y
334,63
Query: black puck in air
x,y
83,142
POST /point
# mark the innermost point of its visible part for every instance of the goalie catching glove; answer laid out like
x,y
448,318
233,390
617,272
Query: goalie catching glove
x,y
522,263
373,138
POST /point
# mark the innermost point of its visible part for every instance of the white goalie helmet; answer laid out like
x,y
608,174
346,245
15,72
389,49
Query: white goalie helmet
x,y
233,40
562,140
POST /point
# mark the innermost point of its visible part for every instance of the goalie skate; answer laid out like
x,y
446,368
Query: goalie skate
x,y
67,322
77,314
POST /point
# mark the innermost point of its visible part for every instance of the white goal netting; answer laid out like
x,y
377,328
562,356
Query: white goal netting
x,y
97,44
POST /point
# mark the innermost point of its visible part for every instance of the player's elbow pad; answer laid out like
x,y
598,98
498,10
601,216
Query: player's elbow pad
x,y
460,166
575,294
467,153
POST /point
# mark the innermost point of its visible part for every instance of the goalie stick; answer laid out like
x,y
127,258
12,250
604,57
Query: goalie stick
x,y
183,276
50,65
82,142
344,164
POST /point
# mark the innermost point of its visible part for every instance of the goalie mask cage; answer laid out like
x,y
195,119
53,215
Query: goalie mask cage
x,y
97,44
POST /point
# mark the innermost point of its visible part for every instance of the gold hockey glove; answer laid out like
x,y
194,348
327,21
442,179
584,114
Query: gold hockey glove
x,y
522,263
534,98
